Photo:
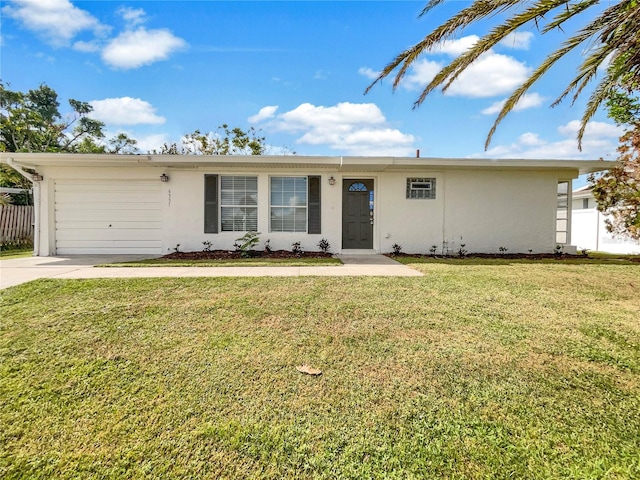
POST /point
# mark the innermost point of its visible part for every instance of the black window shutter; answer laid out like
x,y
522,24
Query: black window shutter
x,y
314,210
211,204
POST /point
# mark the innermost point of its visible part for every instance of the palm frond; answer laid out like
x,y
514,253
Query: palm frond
x,y
613,33
596,99
457,66
464,18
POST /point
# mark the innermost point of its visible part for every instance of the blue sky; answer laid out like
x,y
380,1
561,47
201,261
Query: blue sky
x,y
296,70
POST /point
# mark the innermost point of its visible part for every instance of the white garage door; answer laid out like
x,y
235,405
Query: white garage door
x,y
108,216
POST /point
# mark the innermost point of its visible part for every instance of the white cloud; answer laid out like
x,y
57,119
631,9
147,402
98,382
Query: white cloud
x,y
133,16
530,139
490,75
517,40
345,115
148,143
264,114
87,47
528,100
352,128
600,141
421,73
57,20
135,48
595,129
125,111
368,72
457,47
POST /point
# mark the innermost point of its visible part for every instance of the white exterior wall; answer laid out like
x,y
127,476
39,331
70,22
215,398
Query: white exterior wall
x,y
184,223
488,209
414,224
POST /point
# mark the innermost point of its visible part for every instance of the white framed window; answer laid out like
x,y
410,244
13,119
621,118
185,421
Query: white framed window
x,y
288,204
421,188
238,203
562,214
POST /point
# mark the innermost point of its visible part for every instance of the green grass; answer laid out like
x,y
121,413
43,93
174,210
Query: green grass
x,y
495,370
16,253
590,260
231,262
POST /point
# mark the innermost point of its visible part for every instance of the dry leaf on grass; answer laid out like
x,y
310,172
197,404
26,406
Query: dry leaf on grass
x,y
309,370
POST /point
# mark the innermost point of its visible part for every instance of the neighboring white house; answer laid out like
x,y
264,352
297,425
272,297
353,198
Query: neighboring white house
x,y
151,203
588,229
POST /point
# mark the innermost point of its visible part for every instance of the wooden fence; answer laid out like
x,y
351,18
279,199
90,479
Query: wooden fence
x,y
16,224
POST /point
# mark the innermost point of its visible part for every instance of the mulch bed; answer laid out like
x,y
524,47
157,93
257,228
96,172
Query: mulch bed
x,y
229,255
514,256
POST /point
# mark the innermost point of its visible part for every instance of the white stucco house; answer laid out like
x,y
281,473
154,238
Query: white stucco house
x,y
588,228
150,203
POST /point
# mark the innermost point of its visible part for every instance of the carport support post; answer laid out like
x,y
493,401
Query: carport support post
x,y
36,204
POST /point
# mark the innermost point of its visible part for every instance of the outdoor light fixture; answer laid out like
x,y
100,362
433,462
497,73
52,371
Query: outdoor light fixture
x,y
332,181
36,177
164,178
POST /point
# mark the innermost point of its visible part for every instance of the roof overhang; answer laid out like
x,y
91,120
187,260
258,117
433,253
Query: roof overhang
x,y
271,162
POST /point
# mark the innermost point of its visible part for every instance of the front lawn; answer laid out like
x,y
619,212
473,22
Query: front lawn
x,y
492,370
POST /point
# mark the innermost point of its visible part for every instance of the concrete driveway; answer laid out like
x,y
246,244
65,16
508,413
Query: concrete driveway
x,y
21,270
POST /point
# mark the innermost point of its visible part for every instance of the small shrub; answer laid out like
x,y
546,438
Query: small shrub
x,y
462,252
558,250
503,250
207,246
296,249
584,252
245,244
530,251
433,250
397,249
176,249
324,245
267,246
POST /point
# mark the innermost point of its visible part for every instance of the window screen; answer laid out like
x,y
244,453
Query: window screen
x,y
289,204
239,203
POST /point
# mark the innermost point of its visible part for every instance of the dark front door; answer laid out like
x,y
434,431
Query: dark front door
x,y
357,214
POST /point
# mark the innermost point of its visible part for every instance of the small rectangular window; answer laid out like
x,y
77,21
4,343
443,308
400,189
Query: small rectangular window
x,y
585,203
421,188
562,213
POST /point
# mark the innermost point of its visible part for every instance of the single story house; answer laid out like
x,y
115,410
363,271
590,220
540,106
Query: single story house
x,y
150,204
588,228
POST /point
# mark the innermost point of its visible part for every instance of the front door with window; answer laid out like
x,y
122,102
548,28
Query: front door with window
x,y
357,214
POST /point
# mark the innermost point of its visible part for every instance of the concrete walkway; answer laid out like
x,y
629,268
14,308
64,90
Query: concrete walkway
x,y
21,270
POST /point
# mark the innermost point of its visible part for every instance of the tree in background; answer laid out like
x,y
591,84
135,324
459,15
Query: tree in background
x,y
123,144
612,36
617,191
225,141
31,122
